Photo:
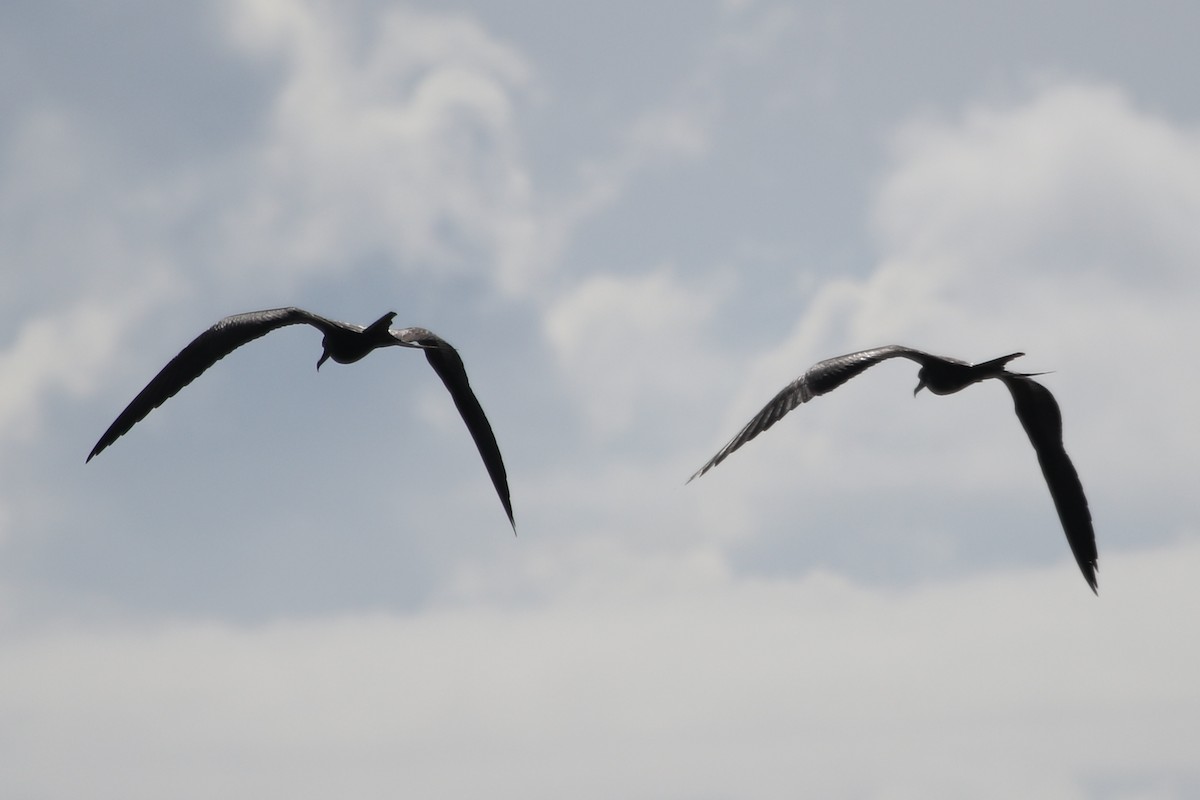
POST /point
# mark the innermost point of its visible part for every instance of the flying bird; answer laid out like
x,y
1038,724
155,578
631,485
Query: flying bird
x,y
345,343
1036,408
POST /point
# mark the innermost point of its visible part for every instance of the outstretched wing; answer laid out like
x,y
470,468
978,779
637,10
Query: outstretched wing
x,y
1040,416
205,350
822,377
449,366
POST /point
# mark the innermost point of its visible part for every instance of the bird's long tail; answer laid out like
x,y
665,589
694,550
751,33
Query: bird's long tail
x,y
379,328
999,366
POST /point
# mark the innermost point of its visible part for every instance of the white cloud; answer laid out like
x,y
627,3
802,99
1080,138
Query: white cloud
x,y
1055,225
1050,226
1077,180
692,684
64,351
83,260
402,141
632,346
621,647
935,287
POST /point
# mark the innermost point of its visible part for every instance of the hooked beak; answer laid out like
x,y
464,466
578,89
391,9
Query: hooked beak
x,y
920,386
324,357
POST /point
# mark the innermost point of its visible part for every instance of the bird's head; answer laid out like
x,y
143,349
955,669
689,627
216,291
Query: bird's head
x,y
920,381
324,354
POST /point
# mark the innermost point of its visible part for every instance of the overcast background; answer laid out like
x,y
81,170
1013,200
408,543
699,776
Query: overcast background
x,y
637,221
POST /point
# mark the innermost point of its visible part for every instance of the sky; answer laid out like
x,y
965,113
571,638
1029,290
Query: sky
x,y
636,222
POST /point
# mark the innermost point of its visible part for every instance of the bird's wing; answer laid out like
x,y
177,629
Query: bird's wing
x,y
205,350
449,366
822,377
1040,416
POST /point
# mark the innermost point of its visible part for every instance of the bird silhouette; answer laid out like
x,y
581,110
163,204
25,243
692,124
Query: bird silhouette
x,y
1036,408
345,343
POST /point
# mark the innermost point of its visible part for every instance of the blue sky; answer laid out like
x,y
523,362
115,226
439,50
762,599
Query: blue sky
x,y
636,222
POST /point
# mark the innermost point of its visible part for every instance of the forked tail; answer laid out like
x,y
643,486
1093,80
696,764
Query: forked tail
x,y
379,328
999,366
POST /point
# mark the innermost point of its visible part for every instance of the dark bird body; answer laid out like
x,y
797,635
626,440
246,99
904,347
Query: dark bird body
x,y
1036,408
344,343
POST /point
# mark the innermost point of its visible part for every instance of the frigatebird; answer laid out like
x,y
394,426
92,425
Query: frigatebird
x,y
345,343
1036,408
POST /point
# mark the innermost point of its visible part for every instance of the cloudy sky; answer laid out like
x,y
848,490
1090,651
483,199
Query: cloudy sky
x,y
636,221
